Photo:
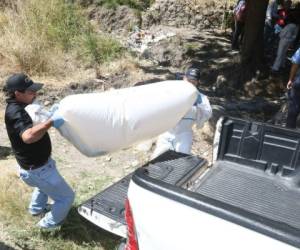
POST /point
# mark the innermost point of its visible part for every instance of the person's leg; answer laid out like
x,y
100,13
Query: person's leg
x,y
279,56
38,202
284,53
163,144
183,143
236,34
38,199
293,109
242,33
60,192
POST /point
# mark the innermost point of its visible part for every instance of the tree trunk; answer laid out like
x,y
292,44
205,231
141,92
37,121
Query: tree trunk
x,y
252,58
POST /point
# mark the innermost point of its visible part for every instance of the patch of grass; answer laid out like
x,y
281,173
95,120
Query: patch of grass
x,y
89,186
75,233
13,198
98,48
41,36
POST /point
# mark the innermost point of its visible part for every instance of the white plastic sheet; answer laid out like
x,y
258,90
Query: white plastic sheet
x,y
104,122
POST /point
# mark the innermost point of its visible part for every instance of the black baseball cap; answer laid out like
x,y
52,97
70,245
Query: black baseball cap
x,y
21,82
193,74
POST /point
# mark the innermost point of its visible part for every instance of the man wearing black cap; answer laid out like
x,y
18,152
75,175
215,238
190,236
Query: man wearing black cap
x,y
180,137
32,148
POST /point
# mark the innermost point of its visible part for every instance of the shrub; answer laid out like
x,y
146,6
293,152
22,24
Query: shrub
x,y
99,48
40,35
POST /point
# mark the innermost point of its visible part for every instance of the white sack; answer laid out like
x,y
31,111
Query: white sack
x,y
104,122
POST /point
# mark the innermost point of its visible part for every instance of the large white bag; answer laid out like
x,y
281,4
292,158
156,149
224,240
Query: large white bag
x,y
104,122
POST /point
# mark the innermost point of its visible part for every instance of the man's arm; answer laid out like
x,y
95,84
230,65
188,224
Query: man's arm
x,y
35,133
293,73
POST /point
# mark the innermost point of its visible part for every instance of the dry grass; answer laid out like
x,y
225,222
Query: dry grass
x,y
75,233
125,64
24,43
129,66
52,37
14,196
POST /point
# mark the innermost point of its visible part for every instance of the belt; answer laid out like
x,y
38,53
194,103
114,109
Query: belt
x,y
32,167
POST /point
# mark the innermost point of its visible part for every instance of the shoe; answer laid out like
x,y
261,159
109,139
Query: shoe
x,y
48,229
43,212
45,228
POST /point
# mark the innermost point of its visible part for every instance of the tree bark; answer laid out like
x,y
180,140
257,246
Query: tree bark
x,y
252,57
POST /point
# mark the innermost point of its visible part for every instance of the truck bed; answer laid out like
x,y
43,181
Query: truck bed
x,y
253,191
254,182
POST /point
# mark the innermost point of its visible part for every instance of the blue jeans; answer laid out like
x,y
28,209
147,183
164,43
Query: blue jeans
x,y
48,183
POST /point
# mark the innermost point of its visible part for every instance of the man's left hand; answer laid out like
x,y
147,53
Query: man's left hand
x,y
57,120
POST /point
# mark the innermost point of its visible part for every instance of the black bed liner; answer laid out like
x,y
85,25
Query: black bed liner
x,y
171,167
254,182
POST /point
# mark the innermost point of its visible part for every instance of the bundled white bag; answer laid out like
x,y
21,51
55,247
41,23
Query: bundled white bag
x,y
104,122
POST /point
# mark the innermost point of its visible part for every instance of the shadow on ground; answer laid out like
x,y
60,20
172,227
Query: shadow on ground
x,y
5,247
4,152
82,232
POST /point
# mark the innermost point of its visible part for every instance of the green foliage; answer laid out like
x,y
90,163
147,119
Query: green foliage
x,y
99,48
39,34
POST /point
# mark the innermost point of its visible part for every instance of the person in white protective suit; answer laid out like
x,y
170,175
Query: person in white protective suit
x,y
180,137
287,36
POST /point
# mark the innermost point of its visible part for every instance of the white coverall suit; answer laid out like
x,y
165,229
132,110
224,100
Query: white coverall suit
x,y
287,36
180,137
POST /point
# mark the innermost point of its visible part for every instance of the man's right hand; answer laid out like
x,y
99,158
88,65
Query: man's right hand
x,y
289,84
57,120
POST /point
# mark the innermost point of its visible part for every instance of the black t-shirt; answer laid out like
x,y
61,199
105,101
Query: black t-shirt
x,y
17,121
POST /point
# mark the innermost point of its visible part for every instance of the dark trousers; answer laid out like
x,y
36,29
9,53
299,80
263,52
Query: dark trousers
x,y
269,36
293,108
237,34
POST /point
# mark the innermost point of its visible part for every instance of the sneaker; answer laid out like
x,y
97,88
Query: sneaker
x,y
44,227
43,212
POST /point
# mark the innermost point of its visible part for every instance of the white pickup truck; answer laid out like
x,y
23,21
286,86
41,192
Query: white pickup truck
x,y
248,199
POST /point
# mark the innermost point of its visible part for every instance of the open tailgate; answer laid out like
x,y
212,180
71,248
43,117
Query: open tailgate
x,y
106,209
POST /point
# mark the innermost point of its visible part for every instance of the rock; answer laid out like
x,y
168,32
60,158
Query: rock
x,y
47,103
119,20
185,13
107,159
168,52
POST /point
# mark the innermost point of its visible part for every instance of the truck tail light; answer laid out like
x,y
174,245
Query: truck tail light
x,y
132,243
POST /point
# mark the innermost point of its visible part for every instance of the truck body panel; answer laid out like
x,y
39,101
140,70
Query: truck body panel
x,y
165,224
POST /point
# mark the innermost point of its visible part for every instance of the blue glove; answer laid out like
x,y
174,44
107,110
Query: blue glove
x,y
57,120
